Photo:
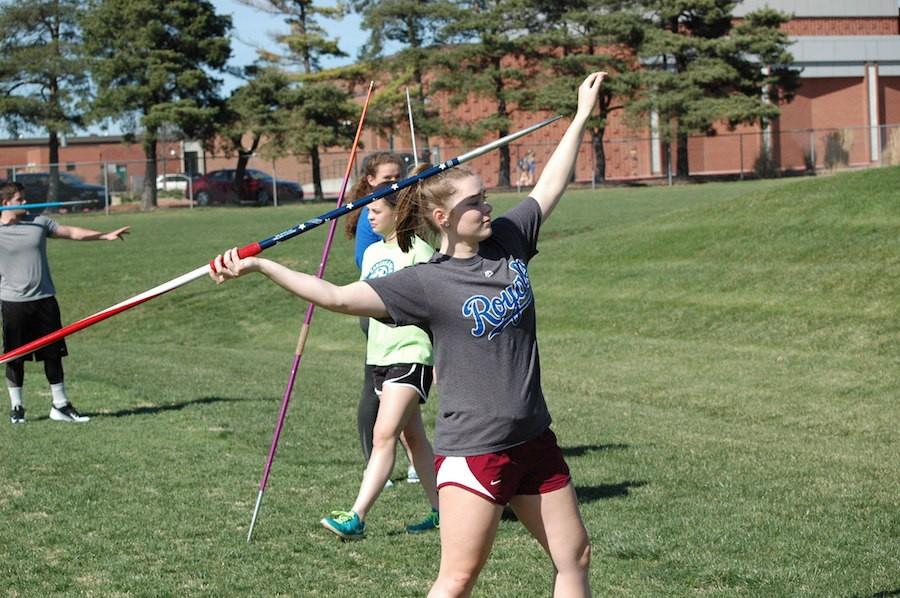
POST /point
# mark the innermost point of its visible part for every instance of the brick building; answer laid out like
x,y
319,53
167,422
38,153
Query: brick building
x,y
846,112
850,55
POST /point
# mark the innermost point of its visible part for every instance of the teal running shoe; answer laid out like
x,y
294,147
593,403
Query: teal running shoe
x,y
345,524
432,521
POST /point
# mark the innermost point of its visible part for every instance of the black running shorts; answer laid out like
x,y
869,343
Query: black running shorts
x,y
25,321
414,375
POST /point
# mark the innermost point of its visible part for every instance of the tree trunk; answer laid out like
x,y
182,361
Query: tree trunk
x,y
502,112
504,161
244,156
53,179
667,159
682,165
53,142
597,135
148,191
317,175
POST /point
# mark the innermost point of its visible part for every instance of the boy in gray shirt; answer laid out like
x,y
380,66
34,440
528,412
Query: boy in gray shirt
x,y
28,301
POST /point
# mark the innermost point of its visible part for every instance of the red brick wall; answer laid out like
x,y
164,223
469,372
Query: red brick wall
x,y
890,100
842,26
724,151
838,103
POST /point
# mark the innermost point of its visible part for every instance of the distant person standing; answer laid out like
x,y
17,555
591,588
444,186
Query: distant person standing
x,y
531,167
28,298
522,166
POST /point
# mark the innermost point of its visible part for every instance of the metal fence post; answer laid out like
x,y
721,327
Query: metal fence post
x,y
669,163
741,153
106,186
812,149
274,184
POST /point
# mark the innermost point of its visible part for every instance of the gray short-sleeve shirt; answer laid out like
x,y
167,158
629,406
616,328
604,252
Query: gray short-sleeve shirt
x,y
24,270
480,313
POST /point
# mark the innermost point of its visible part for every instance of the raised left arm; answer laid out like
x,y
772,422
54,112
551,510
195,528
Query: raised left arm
x,y
77,233
556,174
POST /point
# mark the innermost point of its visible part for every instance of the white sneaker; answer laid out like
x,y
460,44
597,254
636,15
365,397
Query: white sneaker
x,y
412,476
67,413
389,484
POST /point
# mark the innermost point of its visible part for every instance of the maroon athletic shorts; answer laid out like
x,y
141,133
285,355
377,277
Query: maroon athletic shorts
x,y
535,467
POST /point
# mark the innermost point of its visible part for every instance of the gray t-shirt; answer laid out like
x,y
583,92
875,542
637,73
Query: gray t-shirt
x,y
480,313
24,270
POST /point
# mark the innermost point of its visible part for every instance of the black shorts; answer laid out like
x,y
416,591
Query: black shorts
x,y
25,321
415,375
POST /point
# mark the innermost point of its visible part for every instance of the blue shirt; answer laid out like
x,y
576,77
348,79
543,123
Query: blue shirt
x,y
365,236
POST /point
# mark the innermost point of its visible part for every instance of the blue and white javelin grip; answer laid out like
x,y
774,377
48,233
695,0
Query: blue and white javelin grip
x,y
255,248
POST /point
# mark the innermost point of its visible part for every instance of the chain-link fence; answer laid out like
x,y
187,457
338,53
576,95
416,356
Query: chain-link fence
x,y
192,178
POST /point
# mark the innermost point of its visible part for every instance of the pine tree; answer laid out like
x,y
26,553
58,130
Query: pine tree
x,y
700,68
577,38
261,108
42,72
321,110
151,58
488,55
415,25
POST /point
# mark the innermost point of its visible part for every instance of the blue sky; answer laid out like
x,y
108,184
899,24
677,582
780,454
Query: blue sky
x,y
252,29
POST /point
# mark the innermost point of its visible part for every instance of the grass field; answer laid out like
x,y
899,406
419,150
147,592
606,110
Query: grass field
x,y
721,361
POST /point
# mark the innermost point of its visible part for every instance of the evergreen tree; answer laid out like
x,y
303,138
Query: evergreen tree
x,y
260,108
307,41
700,68
322,111
415,25
150,60
42,73
321,115
580,37
490,56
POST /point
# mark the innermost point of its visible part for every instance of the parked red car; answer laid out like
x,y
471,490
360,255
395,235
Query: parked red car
x,y
219,187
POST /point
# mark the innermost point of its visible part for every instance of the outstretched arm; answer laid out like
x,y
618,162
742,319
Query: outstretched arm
x,y
76,233
555,176
356,298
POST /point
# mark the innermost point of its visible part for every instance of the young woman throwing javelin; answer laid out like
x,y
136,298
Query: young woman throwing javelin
x,y
493,441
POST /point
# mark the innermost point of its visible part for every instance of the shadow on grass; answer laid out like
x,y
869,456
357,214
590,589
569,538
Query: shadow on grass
x,y
151,410
154,409
588,494
580,451
885,594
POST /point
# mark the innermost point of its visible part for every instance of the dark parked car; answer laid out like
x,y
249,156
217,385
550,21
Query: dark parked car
x,y
219,187
71,188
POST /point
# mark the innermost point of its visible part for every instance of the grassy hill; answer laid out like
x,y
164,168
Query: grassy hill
x,y
720,361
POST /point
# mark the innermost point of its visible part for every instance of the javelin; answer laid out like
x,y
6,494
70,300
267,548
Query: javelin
x,y
304,329
259,246
412,130
49,204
